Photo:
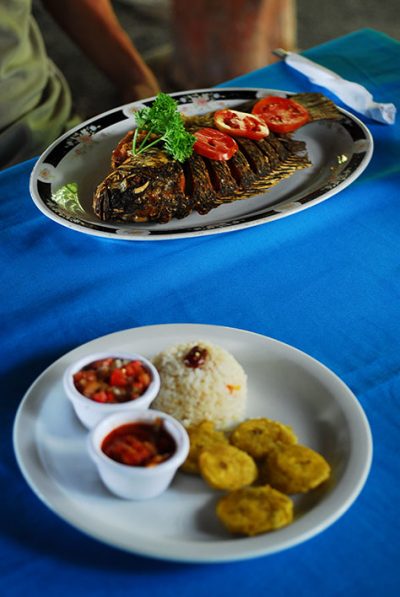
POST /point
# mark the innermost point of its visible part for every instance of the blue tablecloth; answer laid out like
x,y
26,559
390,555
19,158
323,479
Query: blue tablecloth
x,y
326,280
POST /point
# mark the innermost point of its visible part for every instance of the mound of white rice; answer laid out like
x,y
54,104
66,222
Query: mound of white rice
x,y
216,390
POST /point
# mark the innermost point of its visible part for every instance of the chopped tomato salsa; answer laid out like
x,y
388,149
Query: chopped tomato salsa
x,y
113,380
139,444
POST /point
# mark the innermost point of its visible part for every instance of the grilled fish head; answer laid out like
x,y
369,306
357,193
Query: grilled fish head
x,y
145,187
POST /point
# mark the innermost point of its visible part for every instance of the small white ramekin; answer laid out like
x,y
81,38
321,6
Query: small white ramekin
x,y
90,412
135,482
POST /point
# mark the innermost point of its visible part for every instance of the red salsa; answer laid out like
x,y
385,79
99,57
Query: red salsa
x,y
113,380
139,444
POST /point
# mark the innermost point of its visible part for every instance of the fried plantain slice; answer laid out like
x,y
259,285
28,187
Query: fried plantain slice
x,y
255,510
257,437
227,467
296,469
202,436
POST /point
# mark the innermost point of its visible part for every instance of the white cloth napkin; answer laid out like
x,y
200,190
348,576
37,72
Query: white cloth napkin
x,y
352,94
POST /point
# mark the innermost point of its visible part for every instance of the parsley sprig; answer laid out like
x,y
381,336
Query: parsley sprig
x,y
163,120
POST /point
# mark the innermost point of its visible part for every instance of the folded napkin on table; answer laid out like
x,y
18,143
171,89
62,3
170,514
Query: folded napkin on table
x,y
352,94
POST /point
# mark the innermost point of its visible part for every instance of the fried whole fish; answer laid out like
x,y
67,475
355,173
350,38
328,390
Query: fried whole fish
x,y
154,187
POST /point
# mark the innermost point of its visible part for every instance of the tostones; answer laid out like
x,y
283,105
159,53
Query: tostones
x,y
227,467
257,437
202,436
255,510
296,469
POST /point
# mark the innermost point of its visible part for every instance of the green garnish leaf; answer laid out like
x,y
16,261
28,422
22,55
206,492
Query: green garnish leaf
x,y
179,143
163,120
67,197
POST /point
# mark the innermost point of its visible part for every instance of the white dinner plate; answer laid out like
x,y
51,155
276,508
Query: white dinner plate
x,y
283,384
66,175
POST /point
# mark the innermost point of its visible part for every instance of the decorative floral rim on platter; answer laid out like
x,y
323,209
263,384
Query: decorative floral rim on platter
x,y
66,175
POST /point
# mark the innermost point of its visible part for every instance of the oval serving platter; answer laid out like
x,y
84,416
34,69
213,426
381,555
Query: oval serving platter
x,y
67,173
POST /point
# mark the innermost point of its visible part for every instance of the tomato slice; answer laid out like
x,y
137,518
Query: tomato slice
x,y
241,124
281,114
211,143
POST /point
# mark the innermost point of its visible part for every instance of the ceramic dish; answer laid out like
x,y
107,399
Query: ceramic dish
x,y
66,175
137,482
283,384
91,412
